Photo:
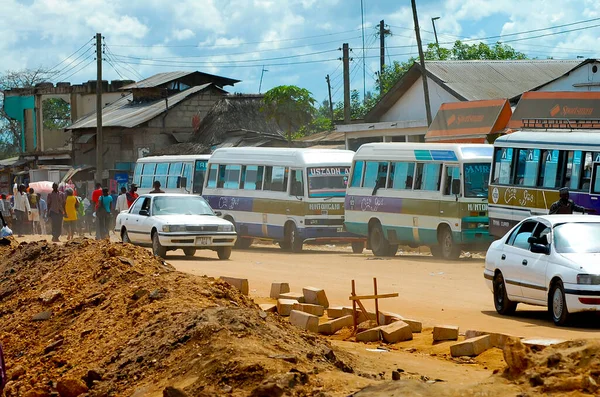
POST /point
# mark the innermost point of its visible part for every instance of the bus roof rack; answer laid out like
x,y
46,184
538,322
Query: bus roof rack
x,y
560,123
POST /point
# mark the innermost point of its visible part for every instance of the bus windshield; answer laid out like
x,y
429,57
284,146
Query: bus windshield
x,y
477,176
328,181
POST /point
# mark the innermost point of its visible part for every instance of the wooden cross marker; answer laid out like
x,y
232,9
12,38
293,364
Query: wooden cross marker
x,y
356,300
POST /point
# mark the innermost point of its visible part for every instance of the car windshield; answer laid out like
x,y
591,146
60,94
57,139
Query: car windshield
x,y
477,176
577,238
180,205
328,181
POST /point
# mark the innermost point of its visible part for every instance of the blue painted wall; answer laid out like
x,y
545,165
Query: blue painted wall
x,y
15,106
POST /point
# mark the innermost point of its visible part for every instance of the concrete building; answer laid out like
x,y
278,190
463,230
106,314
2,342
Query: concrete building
x,y
400,114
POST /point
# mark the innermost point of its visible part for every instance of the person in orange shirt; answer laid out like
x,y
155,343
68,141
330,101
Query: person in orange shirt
x,y
70,219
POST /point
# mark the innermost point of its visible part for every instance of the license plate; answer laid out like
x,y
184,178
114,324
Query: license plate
x,y
203,241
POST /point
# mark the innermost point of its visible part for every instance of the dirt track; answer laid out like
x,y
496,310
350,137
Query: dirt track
x,y
432,291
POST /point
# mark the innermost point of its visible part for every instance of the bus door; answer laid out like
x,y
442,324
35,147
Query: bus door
x,y
594,188
450,205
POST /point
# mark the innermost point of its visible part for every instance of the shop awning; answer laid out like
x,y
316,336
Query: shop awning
x,y
469,121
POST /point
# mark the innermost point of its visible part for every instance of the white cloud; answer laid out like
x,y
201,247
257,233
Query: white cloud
x,y
183,34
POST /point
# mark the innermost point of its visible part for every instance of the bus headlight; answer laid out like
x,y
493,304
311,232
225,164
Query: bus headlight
x,y
476,225
173,228
225,228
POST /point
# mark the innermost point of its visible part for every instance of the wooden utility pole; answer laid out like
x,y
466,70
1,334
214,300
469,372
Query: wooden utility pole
x,y
346,61
381,54
99,138
422,61
330,103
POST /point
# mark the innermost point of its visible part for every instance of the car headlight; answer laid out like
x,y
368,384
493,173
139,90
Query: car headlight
x,y
173,228
585,279
225,228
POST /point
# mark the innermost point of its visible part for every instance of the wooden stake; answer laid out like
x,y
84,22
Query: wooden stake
x,y
354,319
376,301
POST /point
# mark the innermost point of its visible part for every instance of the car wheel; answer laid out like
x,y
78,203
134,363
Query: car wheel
x,y
358,247
379,245
293,239
157,248
189,251
502,304
224,252
125,237
243,243
557,304
449,250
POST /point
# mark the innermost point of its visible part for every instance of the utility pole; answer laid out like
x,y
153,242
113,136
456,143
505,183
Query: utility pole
x,y
422,61
381,54
346,61
437,43
362,25
99,138
330,103
261,78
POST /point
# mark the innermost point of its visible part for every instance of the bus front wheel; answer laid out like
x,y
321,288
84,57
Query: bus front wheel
x,y
448,248
293,241
379,245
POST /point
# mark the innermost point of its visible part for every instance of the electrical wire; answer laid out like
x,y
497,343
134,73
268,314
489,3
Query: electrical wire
x,y
69,67
126,67
80,69
238,66
61,75
67,58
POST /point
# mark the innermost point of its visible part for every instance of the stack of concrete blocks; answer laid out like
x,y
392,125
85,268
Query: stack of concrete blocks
x,y
239,283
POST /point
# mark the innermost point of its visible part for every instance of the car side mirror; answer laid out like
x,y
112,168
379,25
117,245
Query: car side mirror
x,y
540,249
144,213
218,213
181,181
456,186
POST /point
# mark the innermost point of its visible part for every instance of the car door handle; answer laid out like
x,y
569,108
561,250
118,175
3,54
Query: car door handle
x,y
503,257
524,262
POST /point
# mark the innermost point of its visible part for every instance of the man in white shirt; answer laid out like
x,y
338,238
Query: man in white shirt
x,y
121,201
21,207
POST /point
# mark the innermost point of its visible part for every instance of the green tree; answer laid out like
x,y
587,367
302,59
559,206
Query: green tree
x,y
10,130
291,106
56,113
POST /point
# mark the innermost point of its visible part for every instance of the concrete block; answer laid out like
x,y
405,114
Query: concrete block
x,y
397,331
279,288
285,306
333,326
415,326
335,312
304,321
292,295
315,310
315,296
445,332
498,340
471,347
370,335
388,318
347,311
239,283
268,307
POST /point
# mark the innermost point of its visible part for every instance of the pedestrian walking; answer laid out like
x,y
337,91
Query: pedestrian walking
x,y
566,206
21,207
121,204
132,195
6,211
70,219
34,216
43,206
80,216
156,186
56,207
95,196
103,213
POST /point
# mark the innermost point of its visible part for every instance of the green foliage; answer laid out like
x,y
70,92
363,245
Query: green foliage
x,y
56,113
289,105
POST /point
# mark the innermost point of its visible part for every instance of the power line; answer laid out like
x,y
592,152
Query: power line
x,y
238,66
67,58
69,67
80,69
235,44
60,75
126,67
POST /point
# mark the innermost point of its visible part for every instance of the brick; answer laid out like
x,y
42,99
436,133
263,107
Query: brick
x,y
471,347
285,306
316,296
498,340
370,335
279,288
335,312
239,283
445,332
315,310
398,331
292,295
268,307
304,321
333,326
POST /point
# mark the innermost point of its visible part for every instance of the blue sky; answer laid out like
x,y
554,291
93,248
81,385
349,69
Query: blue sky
x,y
298,41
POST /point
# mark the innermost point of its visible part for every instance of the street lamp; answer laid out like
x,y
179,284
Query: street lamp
x,y
437,44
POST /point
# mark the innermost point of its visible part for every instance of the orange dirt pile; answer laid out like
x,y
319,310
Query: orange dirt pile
x,y
570,368
110,319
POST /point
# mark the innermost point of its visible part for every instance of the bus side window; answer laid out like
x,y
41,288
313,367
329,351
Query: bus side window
x,y
573,171
549,176
297,187
267,178
199,175
428,177
232,176
279,179
418,177
137,174
596,185
357,172
375,174
403,176
452,174
502,165
221,176
211,181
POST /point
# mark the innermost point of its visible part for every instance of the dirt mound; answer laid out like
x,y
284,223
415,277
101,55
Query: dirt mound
x,y
111,319
572,366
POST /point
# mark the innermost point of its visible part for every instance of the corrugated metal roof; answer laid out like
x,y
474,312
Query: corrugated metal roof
x,y
122,113
166,77
475,80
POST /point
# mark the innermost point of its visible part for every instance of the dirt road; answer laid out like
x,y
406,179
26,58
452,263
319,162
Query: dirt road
x,y
432,291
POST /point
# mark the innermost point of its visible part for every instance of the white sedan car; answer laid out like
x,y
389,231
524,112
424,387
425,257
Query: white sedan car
x,y
172,221
551,261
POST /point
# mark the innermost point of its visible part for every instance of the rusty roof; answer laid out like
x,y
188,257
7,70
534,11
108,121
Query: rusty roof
x,y
124,113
